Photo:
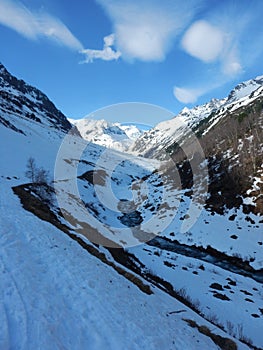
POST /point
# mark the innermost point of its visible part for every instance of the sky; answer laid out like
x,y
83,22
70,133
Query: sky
x,y
86,55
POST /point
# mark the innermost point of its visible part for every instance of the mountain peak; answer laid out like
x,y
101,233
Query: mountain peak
x,y
259,78
244,89
107,134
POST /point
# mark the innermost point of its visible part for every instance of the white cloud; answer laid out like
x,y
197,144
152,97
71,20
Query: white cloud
x,y
109,40
231,65
107,54
210,43
204,41
228,38
32,25
186,95
146,29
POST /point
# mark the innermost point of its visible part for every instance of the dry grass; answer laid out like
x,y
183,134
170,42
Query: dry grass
x,y
222,342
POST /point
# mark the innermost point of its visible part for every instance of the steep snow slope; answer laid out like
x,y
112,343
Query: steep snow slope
x,y
245,89
104,133
54,295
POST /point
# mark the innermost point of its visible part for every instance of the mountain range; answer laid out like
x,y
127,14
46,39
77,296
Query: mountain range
x,y
110,135
131,239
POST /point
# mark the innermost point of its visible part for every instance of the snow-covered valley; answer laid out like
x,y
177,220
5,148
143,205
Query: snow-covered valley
x,y
123,290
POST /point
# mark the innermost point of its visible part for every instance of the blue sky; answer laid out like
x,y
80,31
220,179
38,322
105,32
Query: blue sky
x,y
86,55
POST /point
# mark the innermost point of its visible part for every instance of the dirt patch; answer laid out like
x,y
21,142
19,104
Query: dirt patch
x,y
221,296
222,342
216,286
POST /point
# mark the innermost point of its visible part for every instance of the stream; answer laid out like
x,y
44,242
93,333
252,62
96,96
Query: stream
x,y
225,263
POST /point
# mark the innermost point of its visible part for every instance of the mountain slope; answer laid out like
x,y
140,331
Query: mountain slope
x,y
229,133
109,135
152,142
24,101
54,295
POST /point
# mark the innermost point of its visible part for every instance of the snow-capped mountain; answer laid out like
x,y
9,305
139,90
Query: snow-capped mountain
x,y
153,142
243,90
132,131
228,132
63,282
106,134
194,115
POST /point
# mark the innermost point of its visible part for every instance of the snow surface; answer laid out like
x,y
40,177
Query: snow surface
x,y
110,135
54,295
245,295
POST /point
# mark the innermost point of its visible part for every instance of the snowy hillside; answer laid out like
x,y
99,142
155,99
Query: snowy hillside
x,y
227,136
183,276
110,135
54,295
20,99
243,90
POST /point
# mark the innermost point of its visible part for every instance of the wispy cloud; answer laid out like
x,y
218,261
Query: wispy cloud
x,y
34,25
231,65
146,29
106,54
190,95
187,95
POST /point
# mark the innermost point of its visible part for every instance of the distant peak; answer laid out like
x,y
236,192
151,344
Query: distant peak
x,y
259,79
185,110
245,88
2,68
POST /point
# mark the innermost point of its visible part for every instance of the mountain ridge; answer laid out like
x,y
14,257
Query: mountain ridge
x,y
240,95
110,135
23,100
